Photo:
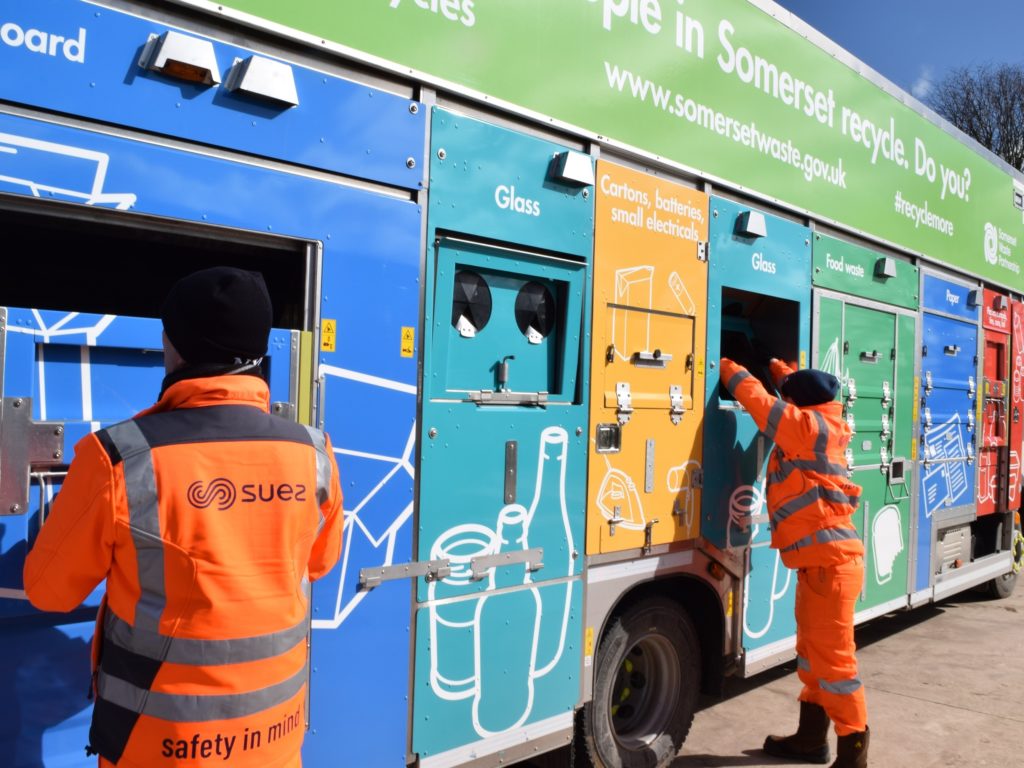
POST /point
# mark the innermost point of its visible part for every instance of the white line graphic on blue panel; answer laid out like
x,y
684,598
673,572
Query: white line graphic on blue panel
x,y
401,469
44,168
461,667
64,328
945,479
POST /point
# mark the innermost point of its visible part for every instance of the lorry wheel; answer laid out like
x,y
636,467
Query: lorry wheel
x,y
1002,587
645,688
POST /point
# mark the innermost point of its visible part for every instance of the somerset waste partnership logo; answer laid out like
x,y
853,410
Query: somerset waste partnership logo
x,y
991,244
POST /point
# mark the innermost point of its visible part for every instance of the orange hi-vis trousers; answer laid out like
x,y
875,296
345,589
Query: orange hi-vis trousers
x,y
826,664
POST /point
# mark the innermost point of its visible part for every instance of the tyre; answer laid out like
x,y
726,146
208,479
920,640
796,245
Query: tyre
x,y
1003,586
646,683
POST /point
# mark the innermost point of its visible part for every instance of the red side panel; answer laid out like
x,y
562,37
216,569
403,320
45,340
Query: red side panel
x,y
993,454
1016,415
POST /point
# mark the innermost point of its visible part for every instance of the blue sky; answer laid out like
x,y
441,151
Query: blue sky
x,y
914,42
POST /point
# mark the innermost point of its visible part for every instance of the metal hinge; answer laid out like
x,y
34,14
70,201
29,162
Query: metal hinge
x,y
534,559
431,570
25,446
624,399
675,399
703,250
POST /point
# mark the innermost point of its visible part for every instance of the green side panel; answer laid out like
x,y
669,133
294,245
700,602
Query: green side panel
x,y
849,268
869,365
829,334
884,522
906,344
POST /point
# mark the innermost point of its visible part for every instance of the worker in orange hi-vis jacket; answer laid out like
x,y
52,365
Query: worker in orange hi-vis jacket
x,y
209,518
810,502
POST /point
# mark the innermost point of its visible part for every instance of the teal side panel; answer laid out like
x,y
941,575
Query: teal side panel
x,y
502,472
758,287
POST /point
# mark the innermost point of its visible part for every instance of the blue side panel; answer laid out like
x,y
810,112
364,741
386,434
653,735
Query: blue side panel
x,y
337,125
743,273
371,263
949,297
949,371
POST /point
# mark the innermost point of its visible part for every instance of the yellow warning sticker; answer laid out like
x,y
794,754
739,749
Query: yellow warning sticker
x,y
588,642
328,335
700,366
915,409
728,605
408,341
803,358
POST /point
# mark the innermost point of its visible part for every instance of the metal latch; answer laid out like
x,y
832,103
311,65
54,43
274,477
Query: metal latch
x,y
886,394
506,397
648,535
883,452
655,359
431,570
851,390
870,357
534,559
284,410
970,451
927,418
927,382
25,446
885,426
971,386
675,399
849,458
614,520
624,398
851,423
970,421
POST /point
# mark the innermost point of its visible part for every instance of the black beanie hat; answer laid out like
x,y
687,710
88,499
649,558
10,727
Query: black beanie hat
x,y
810,387
218,315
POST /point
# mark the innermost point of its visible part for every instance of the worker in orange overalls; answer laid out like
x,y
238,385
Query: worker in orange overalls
x,y
810,502
209,518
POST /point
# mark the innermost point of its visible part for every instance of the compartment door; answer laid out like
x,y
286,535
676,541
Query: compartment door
x,y
869,364
1016,398
501,497
994,424
947,418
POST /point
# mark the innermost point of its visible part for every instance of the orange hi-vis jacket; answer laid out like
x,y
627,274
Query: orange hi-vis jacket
x,y
810,496
208,517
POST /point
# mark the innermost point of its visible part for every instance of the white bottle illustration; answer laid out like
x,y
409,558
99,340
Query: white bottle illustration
x,y
508,623
453,625
549,508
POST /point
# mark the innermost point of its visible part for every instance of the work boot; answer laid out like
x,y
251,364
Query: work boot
x,y
810,742
852,750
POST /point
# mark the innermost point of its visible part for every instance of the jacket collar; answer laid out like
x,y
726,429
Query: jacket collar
x,y
235,389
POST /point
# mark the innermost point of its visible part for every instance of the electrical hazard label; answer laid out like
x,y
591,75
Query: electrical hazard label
x,y
328,335
408,341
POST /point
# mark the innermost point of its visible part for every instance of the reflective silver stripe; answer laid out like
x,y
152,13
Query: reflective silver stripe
x,y
189,708
736,379
143,520
802,663
821,444
832,535
774,417
815,493
323,466
841,687
178,650
822,466
824,536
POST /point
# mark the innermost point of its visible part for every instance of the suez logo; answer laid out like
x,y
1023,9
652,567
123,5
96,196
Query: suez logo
x,y
222,492
506,198
761,264
46,43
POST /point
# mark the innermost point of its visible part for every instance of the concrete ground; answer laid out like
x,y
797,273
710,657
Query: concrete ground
x,y
945,689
